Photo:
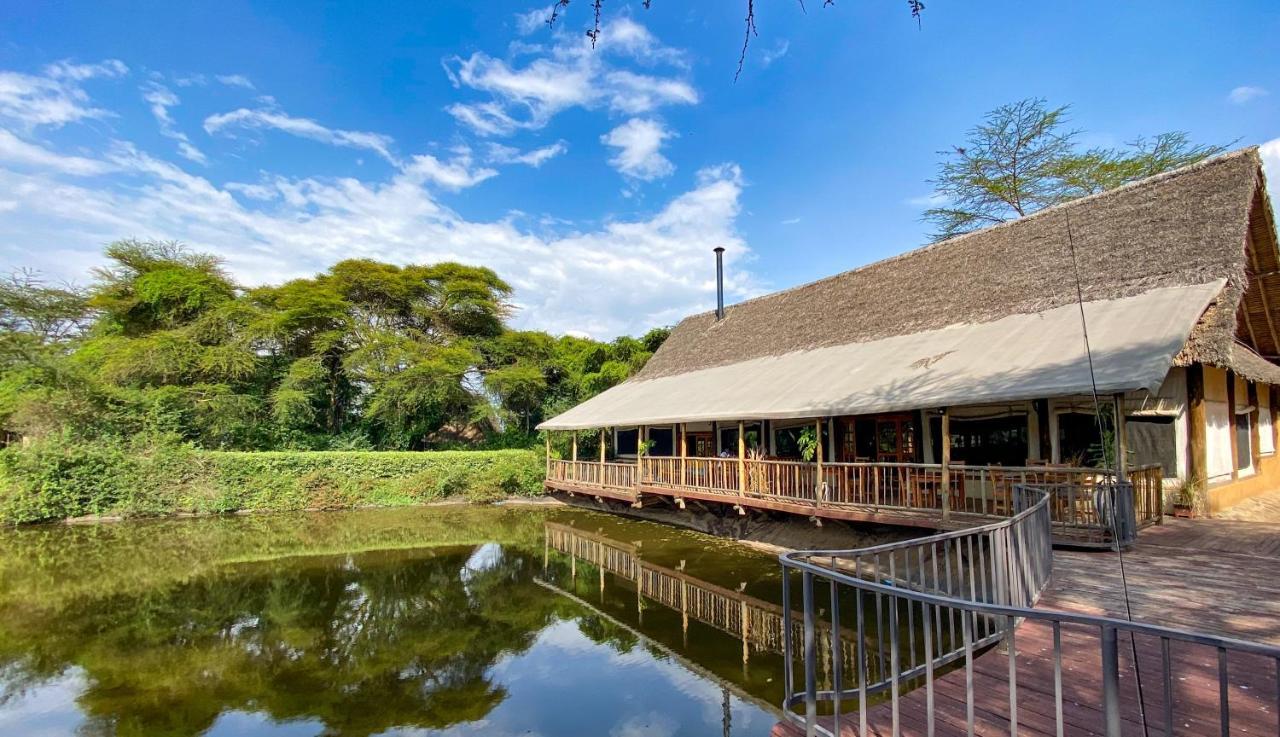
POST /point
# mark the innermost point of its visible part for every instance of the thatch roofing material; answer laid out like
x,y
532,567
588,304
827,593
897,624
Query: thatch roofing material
x,y
1014,358
1184,227
1171,234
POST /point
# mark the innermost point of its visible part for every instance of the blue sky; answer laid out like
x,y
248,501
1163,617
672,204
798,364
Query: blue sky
x,y
285,136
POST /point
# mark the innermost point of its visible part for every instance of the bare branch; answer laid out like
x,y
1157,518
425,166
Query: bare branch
x,y
746,40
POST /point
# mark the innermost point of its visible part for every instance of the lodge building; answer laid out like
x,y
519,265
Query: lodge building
x,y
917,389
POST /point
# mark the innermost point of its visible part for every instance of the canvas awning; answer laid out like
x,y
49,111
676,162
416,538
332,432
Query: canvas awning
x,y
1133,340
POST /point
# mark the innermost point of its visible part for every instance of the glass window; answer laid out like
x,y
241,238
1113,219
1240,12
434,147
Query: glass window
x,y
663,440
983,442
1244,441
626,444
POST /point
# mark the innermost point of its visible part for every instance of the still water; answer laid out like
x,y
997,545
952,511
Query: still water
x,y
437,621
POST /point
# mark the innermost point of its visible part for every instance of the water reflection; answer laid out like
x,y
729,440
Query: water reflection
x,y
464,637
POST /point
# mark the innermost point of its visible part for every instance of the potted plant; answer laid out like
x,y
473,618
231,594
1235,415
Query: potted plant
x,y
1186,502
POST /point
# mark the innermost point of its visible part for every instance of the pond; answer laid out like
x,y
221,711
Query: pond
x,y
425,621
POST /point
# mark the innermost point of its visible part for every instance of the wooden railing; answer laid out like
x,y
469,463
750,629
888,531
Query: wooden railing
x,y
1078,509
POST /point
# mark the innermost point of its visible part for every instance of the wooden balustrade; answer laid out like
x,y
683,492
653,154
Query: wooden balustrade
x,y
983,491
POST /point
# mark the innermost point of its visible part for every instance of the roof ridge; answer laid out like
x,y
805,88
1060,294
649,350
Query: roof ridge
x,y
1144,182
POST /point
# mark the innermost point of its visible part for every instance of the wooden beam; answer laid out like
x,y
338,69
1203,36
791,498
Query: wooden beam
x,y
602,447
574,468
684,450
1255,449
547,436
1231,424
639,455
946,464
1121,441
1262,292
742,458
818,492
1197,457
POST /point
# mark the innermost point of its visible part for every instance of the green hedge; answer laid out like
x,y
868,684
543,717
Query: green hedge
x,y
52,480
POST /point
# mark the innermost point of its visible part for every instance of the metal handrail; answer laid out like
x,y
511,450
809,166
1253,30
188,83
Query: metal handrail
x,y
980,583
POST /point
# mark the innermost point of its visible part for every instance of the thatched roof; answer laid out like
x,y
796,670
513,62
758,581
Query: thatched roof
x,y
1181,228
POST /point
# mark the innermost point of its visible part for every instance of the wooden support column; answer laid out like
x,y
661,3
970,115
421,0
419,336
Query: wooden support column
x,y
602,457
547,437
639,455
1231,424
684,451
1122,440
1041,407
1255,447
742,458
574,468
818,492
1197,457
945,441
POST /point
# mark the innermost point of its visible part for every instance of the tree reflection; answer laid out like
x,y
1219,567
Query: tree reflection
x,y
362,644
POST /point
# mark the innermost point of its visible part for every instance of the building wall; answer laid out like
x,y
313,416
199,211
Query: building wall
x,y
1233,476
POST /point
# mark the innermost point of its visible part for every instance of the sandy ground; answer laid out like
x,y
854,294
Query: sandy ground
x,y
1262,508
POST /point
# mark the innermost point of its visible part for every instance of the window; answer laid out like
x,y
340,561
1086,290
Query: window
x,y
983,441
1078,440
1151,439
786,440
729,438
1244,441
1266,429
663,441
626,442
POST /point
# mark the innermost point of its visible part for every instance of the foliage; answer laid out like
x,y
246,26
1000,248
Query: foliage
x,y
1022,158
366,355
808,443
58,478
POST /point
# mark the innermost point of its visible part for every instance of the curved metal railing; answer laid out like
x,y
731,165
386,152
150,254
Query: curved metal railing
x,y
929,606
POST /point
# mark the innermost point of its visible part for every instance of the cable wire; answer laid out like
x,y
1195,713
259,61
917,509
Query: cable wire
x,y
1115,529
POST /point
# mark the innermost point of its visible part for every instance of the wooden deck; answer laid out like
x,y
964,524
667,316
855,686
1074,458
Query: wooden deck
x,y
1210,576
903,494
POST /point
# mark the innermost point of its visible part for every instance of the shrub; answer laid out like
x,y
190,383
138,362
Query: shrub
x,y
56,479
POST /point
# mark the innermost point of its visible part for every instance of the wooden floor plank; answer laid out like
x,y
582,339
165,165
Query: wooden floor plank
x,y
1196,575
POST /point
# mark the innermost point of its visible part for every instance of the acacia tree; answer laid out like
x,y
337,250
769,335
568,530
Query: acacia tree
x,y
1022,157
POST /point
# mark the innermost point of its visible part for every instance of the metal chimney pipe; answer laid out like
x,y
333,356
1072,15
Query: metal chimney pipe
x,y
719,283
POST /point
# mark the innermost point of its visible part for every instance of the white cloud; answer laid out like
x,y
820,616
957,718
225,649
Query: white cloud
x,y
14,150
791,221
500,154
55,97
235,80
301,127
639,143
571,74
1271,165
777,52
579,280
532,20
160,99
933,199
1246,93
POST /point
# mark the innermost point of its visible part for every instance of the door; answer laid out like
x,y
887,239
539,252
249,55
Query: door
x,y
896,439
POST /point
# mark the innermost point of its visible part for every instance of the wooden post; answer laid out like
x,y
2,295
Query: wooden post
x,y
1255,447
547,436
684,450
574,466
1122,442
1231,424
639,455
1197,457
817,494
602,454
946,464
742,458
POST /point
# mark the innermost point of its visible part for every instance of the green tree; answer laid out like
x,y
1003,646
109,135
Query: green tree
x,y
1023,158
